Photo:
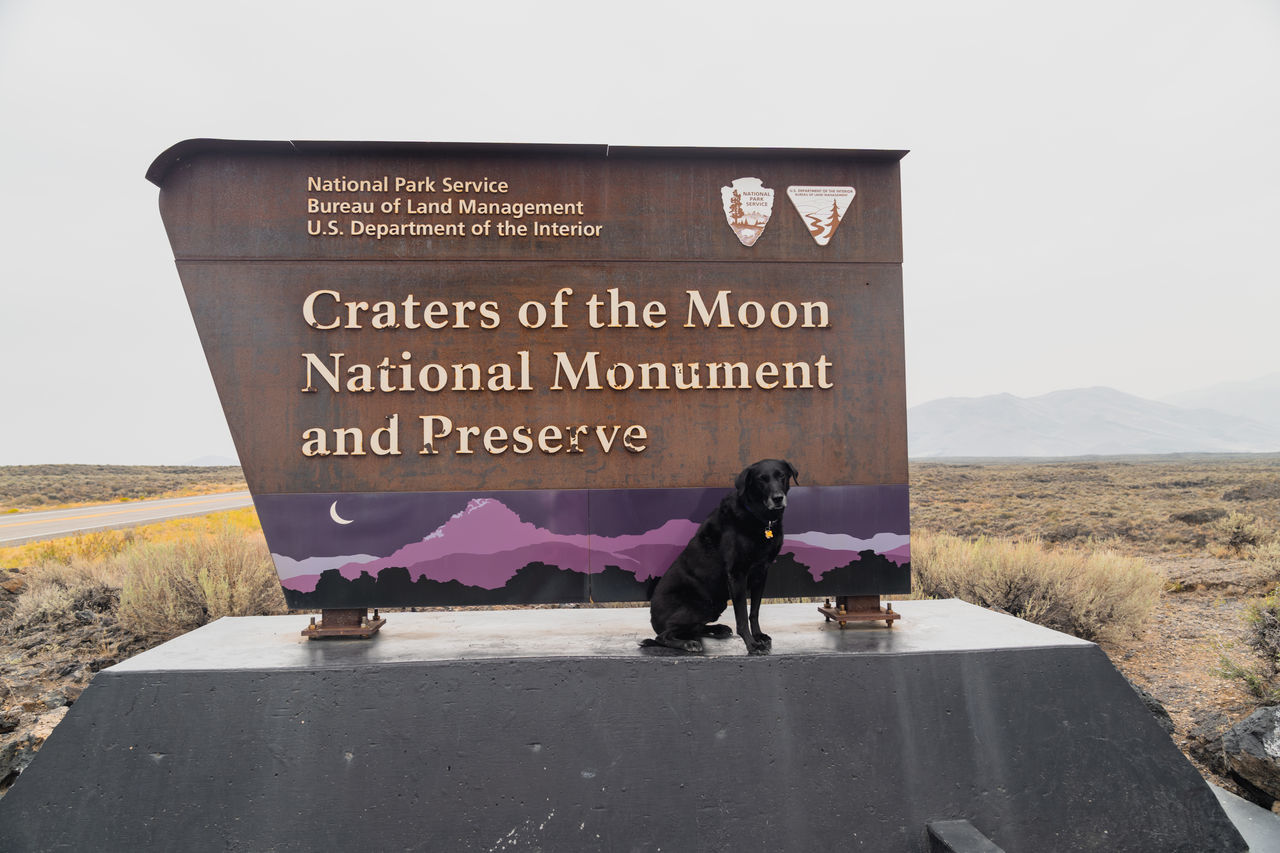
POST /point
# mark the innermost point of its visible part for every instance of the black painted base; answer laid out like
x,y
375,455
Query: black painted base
x,y
863,735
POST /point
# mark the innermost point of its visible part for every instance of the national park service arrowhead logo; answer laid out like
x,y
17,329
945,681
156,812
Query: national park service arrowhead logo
x,y
748,206
821,208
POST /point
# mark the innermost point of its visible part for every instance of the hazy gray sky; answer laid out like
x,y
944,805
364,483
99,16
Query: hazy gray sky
x,y
1092,197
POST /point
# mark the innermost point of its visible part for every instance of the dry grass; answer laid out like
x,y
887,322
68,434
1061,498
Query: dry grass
x,y
42,601
1267,556
1260,673
1057,542
1085,592
170,577
103,544
54,589
171,588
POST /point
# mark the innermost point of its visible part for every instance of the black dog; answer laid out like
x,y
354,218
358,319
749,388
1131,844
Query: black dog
x,y
728,558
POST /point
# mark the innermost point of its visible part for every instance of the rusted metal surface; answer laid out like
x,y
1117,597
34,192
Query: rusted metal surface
x,y
246,200
351,622
653,207
236,217
852,433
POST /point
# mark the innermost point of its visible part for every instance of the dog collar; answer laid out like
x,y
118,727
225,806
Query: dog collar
x,y
768,530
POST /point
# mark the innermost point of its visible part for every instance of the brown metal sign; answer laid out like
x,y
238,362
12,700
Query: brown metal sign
x,y
505,373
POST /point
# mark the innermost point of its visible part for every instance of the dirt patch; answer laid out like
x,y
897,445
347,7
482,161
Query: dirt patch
x,y
1178,657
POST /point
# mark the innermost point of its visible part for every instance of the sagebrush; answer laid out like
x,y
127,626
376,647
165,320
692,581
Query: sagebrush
x,y
171,588
1092,594
1260,675
1263,617
57,587
165,588
1240,533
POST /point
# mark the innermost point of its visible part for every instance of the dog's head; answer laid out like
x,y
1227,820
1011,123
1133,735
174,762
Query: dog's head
x,y
764,486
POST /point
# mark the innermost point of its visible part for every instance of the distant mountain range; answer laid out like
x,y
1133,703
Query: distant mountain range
x,y
1239,417
1255,399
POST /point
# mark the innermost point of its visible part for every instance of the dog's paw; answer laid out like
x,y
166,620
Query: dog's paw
x,y
692,645
764,640
758,649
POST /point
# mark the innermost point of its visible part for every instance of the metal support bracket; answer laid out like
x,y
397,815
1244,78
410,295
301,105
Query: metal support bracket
x,y
345,622
859,608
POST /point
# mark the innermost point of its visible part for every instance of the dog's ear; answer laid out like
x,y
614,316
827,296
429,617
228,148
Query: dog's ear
x,y
792,472
741,482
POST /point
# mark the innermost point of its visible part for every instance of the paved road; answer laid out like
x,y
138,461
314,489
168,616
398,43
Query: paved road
x,y
29,526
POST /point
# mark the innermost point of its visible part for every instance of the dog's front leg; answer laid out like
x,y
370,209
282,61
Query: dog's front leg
x,y
738,589
757,593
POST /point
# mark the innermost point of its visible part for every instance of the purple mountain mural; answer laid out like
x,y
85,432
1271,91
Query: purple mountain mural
x,y
483,545
487,543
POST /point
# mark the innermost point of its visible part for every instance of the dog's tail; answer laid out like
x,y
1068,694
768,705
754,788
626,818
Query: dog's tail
x,y
649,642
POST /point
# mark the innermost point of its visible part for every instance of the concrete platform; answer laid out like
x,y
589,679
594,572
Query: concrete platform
x,y
275,642
553,730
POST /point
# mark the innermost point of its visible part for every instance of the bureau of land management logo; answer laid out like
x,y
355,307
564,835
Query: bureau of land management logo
x,y
748,204
821,208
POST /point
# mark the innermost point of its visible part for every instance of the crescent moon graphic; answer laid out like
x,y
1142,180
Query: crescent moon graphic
x,y
333,513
